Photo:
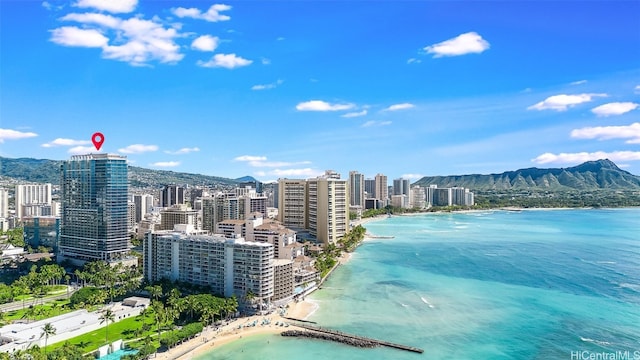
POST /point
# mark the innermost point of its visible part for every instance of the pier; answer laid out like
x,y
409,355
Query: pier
x,y
349,339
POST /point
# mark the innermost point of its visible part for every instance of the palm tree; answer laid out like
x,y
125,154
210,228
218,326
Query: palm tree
x,y
107,315
155,291
47,330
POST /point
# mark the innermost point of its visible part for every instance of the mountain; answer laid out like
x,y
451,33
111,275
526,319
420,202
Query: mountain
x,y
48,171
246,179
591,175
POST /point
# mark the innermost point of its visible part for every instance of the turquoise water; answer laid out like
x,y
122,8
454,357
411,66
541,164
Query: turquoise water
x,y
116,355
480,285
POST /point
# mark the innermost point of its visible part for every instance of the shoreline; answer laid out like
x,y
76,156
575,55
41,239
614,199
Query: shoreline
x,y
211,338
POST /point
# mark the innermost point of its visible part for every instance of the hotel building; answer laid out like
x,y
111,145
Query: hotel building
x,y
30,198
229,266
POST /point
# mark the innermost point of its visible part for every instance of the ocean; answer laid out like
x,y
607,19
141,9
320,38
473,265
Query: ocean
x,y
533,284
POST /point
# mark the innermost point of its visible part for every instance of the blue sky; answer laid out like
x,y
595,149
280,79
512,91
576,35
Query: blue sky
x,y
291,88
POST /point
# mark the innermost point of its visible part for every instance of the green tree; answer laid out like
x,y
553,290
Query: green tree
x,y
47,330
107,315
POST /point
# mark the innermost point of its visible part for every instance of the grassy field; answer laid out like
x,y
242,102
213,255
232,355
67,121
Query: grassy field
x,y
43,311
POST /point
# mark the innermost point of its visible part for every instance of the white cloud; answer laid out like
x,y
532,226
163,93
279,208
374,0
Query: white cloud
x,y
8,134
372,123
280,38
276,163
183,151
576,158
138,148
267,86
228,61
136,40
637,89
265,61
250,158
412,176
414,61
73,36
261,161
614,108
165,164
402,106
355,114
46,5
260,173
579,82
66,142
462,44
80,150
107,21
211,15
319,105
562,102
205,43
112,6
305,172
631,132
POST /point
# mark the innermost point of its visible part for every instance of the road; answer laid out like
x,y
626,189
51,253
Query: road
x,y
18,305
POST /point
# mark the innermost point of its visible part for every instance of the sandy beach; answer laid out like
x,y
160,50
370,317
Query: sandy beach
x,y
212,338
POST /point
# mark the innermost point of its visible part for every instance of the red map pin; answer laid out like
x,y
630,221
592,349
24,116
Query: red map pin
x,y
98,140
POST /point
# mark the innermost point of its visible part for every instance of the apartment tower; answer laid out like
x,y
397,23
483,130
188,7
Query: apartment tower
x,y
93,225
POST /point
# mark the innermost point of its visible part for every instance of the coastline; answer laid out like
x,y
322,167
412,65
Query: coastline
x,y
211,338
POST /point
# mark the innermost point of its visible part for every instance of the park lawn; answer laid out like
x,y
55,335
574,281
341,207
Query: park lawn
x,y
123,329
47,310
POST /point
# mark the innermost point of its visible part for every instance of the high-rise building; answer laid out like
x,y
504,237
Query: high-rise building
x,y
228,266
93,192
171,195
356,189
4,203
29,198
370,188
442,197
179,214
328,208
131,216
401,186
144,204
429,194
292,203
382,190
418,197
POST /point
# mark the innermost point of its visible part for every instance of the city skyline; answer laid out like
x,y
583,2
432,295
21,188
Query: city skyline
x,y
421,88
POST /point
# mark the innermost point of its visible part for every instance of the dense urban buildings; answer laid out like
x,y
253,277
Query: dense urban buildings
x,y
93,225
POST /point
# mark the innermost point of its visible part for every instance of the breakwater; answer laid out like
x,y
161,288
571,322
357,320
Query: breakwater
x,y
329,337
349,339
